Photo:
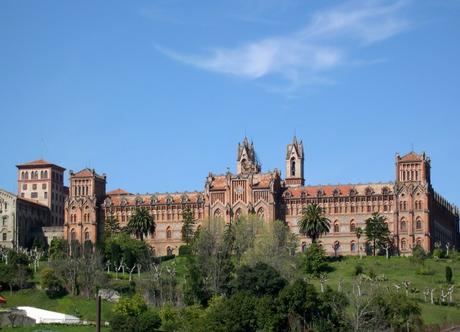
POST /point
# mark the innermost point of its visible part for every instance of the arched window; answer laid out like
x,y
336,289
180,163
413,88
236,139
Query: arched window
x,y
418,241
73,235
403,226
403,244
169,251
45,174
336,247
26,175
87,235
352,226
353,246
292,166
217,213
304,246
418,224
261,213
168,232
336,227
238,214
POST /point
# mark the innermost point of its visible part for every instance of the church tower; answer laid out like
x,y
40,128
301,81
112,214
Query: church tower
x,y
83,212
247,159
294,164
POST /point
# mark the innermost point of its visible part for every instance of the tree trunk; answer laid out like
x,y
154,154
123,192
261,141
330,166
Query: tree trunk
x,y
373,249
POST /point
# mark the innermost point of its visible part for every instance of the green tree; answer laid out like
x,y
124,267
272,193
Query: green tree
x,y
377,231
133,315
313,223
141,223
58,249
188,224
260,280
314,260
298,302
51,283
111,226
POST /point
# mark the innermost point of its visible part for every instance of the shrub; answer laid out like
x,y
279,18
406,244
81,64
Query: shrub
x,y
359,269
372,274
438,253
418,255
314,260
185,250
449,274
51,283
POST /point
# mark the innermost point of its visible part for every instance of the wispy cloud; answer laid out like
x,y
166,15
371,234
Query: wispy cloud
x,y
323,44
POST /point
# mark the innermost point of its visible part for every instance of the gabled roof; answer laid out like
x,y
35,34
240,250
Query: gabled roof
x,y
86,172
38,163
118,191
411,156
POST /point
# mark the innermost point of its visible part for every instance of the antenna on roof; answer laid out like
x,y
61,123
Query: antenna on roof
x,y
412,147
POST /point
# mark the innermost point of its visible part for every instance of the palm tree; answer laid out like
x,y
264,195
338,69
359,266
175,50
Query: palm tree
x,y
359,233
141,223
313,223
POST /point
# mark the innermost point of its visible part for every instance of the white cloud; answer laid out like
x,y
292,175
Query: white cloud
x,y
323,44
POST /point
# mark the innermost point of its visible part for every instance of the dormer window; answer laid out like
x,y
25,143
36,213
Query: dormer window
x,y
169,200
385,191
369,191
287,194
139,201
153,200
320,193
336,192
200,199
353,192
184,199
303,194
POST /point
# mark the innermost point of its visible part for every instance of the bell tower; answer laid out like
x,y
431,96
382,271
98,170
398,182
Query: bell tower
x,y
247,159
294,164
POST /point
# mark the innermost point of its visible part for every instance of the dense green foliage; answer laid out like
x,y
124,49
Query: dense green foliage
x,y
313,223
377,231
141,223
314,260
188,226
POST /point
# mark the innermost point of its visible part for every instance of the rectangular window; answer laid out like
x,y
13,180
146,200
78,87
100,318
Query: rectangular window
x,y
34,195
45,195
4,219
44,186
4,236
24,186
34,186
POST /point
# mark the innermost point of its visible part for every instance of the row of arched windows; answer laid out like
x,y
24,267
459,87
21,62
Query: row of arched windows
x,y
336,226
260,213
403,224
34,175
73,235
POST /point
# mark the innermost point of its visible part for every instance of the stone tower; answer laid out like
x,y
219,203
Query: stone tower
x,y
247,159
83,212
294,164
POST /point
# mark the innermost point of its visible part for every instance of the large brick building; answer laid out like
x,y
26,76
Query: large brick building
x,y
415,212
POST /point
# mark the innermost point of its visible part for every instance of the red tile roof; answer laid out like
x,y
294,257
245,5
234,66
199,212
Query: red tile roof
x,y
118,191
83,173
37,163
343,190
146,198
411,156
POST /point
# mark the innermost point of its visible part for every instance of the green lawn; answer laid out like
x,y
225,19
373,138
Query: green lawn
x,y
72,305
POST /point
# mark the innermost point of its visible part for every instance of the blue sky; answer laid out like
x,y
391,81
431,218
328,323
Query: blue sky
x,y
158,93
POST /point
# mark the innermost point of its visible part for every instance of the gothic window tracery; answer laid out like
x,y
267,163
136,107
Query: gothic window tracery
x,y
217,213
